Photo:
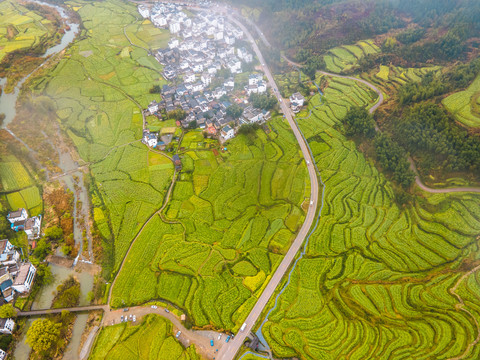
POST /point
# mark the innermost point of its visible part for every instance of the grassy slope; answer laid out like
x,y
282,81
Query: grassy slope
x,y
231,217
377,279
151,340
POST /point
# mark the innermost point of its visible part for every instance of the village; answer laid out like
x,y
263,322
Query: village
x,y
202,64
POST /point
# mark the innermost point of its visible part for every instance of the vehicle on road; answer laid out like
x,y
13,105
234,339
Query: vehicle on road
x,y
308,162
167,311
219,337
178,334
311,202
227,339
211,342
134,318
121,318
243,326
125,310
154,306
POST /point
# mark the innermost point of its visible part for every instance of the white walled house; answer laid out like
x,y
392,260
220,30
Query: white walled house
x,y
206,79
3,355
7,326
261,87
174,27
197,87
189,77
173,43
153,107
253,79
149,139
32,226
144,11
19,215
227,132
24,280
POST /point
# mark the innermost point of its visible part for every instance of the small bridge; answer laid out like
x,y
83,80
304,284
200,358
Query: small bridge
x,y
57,311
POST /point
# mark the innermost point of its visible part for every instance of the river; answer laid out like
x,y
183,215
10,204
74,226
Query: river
x,y
74,181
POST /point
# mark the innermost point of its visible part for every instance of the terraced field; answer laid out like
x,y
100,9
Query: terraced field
x,y
21,28
230,219
18,186
98,90
378,281
345,57
465,105
390,78
151,340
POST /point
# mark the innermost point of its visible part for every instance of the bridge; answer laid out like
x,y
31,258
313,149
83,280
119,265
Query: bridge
x,y
58,311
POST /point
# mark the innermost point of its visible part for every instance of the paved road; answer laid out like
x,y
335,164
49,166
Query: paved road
x,y
229,352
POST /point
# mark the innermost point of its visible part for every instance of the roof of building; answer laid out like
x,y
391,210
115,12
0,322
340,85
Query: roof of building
x,y
3,245
227,128
5,285
15,214
22,274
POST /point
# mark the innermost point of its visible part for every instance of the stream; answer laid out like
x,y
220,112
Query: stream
x,y
73,181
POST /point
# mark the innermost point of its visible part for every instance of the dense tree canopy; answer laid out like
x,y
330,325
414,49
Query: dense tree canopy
x,y
359,122
42,335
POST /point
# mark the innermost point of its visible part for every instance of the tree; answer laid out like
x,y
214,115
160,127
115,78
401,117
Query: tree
x,y
42,249
359,122
155,89
263,101
42,335
7,311
235,111
193,124
54,233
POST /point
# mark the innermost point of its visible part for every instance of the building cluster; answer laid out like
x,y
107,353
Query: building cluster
x,y
16,277
201,46
19,220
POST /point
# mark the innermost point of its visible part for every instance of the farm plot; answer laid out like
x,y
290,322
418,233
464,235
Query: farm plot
x,y
377,280
344,58
465,105
228,223
13,175
21,28
98,90
151,340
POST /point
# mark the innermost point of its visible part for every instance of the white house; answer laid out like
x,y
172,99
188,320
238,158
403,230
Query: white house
x,y
173,43
212,70
159,20
174,27
144,11
261,87
253,79
32,226
197,87
149,139
218,93
229,39
6,326
3,355
206,79
24,280
8,254
229,84
253,115
235,66
227,132
189,77
218,35
19,215
198,68
153,107
296,102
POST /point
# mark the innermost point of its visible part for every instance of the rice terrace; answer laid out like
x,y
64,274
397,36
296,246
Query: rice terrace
x,y
236,179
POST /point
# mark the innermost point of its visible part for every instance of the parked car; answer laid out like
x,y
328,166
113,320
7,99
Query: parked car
x,y
134,318
178,334
154,306
219,337
211,342
167,311
227,339
125,310
121,318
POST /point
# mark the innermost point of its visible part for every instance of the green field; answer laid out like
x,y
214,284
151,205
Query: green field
x,y
377,280
151,340
21,28
230,219
97,91
19,187
465,105
344,58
